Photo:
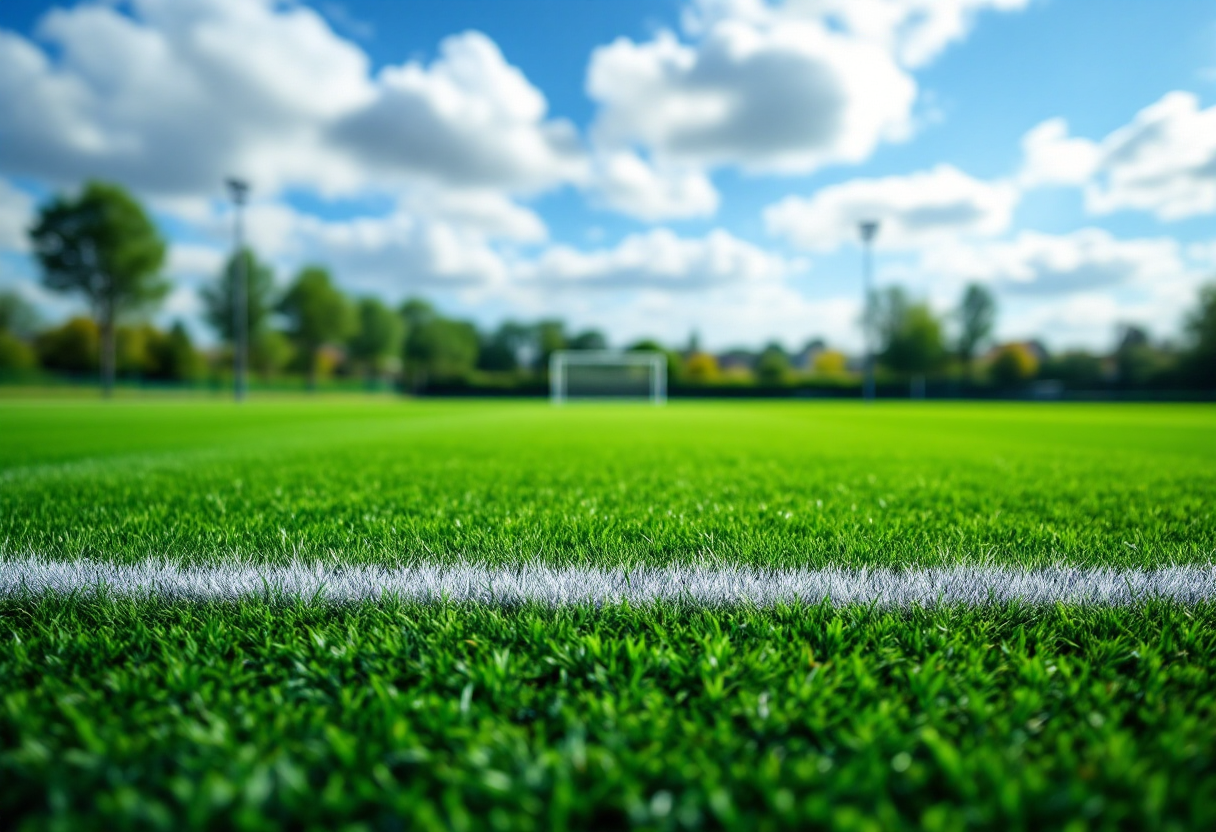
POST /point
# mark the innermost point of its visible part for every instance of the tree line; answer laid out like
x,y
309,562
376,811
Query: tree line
x,y
102,247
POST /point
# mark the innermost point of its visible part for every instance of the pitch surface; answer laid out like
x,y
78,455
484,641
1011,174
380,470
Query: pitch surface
x,y
172,709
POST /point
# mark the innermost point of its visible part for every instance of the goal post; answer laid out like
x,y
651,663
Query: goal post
x,y
607,374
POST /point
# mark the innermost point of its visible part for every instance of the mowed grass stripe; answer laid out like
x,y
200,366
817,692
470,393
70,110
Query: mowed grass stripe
x,y
767,484
702,585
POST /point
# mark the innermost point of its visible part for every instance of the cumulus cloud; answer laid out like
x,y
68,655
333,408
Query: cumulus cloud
x,y
626,183
484,212
915,31
657,260
914,210
178,94
469,119
16,215
391,255
194,260
1046,264
787,98
1164,161
1052,157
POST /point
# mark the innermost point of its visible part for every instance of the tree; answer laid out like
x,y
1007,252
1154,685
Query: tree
x,y
909,333
17,316
317,313
377,337
441,350
830,363
1136,360
171,355
270,352
773,366
1200,328
511,345
592,339
18,320
675,368
1077,369
219,298
976,315
103,246
71,347
1012,365
550,337
701,367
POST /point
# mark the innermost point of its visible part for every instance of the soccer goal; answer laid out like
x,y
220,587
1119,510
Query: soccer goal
x,y
607,374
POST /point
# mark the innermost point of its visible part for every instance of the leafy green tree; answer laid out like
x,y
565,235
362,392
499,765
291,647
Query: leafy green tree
x,y
377,338
1137,361
440,350
15,354
909,333
219,297
317,314
701,367
591,339
675,362
976,315
773,366
550,337
71,347
270,352
18,321
18,317
171,355
507,347
1012,365
1077,369
101,245
1200,358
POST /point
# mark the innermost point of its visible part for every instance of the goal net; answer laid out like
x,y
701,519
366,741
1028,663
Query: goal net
x,y
607,374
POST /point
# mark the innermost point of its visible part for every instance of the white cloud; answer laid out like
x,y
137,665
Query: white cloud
x,y
915,31
626,183
16,215
402,252
485,212
788,98
731,316
193,260
657,260
175,98
1164,161
178,94
914,210
1052,157
1044,264
469,119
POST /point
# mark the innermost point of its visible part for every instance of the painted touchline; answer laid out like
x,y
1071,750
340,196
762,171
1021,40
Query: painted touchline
x,y
705,585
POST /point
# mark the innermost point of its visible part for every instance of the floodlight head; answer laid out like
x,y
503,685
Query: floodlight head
x,y
239,189
868,229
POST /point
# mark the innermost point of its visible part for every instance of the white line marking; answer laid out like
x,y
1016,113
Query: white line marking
x,y
702,585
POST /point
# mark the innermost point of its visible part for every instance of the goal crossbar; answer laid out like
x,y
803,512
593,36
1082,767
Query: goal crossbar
x,y
561,360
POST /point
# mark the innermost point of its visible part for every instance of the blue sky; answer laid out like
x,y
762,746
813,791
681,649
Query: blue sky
x,y
649,168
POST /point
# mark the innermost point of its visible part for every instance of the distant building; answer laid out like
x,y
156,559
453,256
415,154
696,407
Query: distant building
x,y
804,359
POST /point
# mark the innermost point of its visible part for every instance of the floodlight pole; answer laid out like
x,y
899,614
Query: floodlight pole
x,y
869,230
239,191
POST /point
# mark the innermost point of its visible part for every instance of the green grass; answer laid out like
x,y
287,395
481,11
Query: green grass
x,y
773,484
126,715
143,713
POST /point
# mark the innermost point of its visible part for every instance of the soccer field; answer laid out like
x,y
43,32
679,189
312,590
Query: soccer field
x,y
505,614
